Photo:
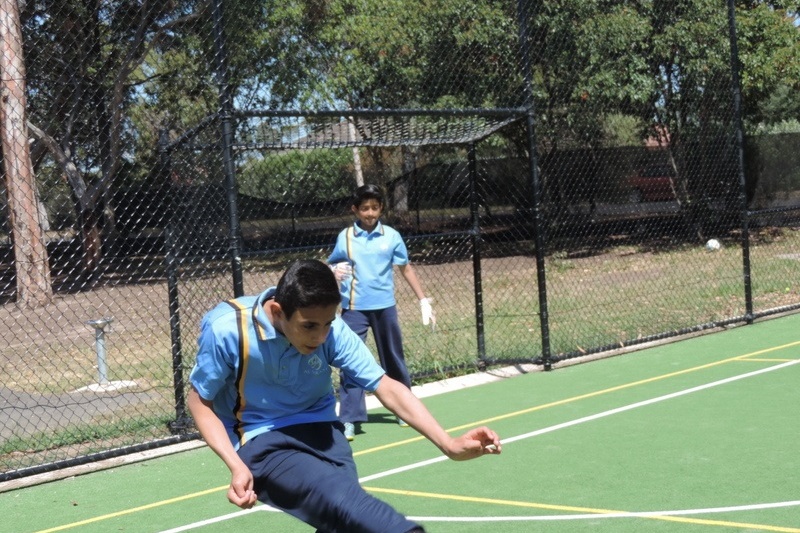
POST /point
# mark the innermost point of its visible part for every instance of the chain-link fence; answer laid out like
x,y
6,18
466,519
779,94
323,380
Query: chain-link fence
x,y
560,172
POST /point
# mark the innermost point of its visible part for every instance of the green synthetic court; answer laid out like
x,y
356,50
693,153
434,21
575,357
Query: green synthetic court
x,y
699,435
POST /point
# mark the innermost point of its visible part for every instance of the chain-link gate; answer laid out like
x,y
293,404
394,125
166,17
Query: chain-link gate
x,y
561,172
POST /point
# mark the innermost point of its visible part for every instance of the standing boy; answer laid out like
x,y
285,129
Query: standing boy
x,y
363,261
262,399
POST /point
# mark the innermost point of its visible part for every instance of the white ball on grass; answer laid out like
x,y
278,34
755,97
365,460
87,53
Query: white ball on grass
x,y
713,245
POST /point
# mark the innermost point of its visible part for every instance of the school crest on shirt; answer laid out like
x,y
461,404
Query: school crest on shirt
x,y
315,364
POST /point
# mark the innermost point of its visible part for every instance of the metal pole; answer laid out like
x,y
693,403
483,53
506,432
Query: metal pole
x,y
182,420
535,181
99,325
229,170
739,139
476,256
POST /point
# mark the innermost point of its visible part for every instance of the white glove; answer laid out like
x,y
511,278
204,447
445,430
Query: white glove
x,y
342,271
428,316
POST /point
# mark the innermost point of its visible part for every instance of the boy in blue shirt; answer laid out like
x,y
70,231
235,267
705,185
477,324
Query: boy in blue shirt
x,y
363,260
262,399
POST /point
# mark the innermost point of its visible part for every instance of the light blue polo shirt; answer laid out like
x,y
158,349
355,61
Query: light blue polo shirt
x,y
372,256
257,381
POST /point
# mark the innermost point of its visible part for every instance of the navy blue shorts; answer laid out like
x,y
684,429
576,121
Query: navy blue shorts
x,y
308,471
389,341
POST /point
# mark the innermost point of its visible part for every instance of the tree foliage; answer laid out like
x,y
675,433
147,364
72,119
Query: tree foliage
x,y
106,79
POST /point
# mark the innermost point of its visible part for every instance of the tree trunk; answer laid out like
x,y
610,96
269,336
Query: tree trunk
x,y
30,253
401,189
89,214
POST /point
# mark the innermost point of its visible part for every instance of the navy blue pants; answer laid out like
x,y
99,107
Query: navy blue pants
x,y
389,341
308,471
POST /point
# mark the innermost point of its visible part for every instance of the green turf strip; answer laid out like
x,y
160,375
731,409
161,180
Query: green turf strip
x,y
729,445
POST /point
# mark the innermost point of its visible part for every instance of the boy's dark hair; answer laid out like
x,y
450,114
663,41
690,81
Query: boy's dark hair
x,y
367,192
306,283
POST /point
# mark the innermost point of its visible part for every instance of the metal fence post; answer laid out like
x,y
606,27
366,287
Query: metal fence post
x,y
535,182
739,136
226,116
476,256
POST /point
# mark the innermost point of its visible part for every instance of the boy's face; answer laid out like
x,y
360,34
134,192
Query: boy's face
x,y
308,327
368,213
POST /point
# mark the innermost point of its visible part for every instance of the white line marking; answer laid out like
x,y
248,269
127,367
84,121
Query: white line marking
x,y
534,434
594,516
592,417
533,518
222,518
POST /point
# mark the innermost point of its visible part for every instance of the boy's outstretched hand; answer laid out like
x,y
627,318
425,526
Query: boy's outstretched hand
x,y
474,443
240,491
